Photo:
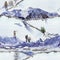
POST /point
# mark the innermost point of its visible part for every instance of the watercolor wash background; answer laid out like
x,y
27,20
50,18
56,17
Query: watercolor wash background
x,y
53,25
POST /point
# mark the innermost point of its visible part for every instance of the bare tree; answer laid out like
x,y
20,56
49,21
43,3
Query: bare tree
x,y
16,3
19,2
42,30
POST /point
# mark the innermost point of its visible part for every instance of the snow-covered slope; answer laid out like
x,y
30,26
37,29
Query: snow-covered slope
x,y
36,13
9,42
13,42
52,42
30,13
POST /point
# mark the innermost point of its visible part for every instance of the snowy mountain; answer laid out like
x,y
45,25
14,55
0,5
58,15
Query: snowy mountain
x,y
54,41
9,42
30,13
36,13
13,42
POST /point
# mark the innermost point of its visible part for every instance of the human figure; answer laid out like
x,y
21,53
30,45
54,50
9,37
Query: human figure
x,y
14,34
26,37
29,39
6,5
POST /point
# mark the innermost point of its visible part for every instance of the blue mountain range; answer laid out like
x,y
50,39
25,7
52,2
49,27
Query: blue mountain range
x,y
33,13
10,42
13,42
54,41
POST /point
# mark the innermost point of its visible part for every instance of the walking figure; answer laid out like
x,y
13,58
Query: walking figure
x,y
6,5
26,37
29,39
14,33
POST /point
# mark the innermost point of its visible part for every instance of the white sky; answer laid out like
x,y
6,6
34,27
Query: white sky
x,y
48,5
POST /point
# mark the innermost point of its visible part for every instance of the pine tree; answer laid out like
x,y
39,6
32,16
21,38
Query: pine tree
x,y
43,30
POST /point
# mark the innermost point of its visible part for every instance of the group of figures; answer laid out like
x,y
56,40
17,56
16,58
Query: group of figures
x,y
28,39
